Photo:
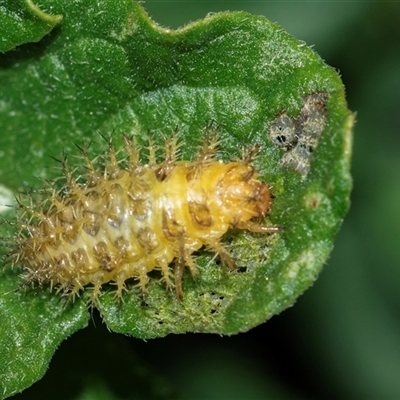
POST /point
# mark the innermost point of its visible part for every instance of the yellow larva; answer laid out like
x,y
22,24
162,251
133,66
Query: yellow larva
x,y
130,218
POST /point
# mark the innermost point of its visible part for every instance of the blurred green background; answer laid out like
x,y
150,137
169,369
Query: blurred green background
x,y
342,338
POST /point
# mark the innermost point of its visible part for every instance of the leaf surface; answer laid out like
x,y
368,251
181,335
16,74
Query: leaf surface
x,y
109,68
21,21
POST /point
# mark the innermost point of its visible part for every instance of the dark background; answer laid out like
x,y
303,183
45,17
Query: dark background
x,y
341,340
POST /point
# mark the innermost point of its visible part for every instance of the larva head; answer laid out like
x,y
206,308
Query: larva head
x,y
239,195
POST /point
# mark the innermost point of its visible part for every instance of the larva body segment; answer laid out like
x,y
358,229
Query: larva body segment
x,y
127,221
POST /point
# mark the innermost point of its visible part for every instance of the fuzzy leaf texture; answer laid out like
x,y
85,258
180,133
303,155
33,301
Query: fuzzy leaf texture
x,y
21,21
107,67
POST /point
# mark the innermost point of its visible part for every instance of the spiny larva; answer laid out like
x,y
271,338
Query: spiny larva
x,y
128,218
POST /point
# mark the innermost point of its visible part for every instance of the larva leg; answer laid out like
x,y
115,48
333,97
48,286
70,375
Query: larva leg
x,y
178,274
223,255
254,227
184,260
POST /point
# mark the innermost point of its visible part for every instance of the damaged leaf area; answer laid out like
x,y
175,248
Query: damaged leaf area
x,y
108,70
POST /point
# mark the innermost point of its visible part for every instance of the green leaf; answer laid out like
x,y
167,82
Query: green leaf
x,y
109,68
32,326
21,21
100,365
